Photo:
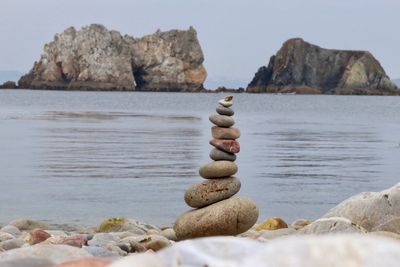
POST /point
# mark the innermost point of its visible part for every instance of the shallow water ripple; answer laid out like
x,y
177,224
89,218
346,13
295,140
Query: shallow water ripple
x,y
82,156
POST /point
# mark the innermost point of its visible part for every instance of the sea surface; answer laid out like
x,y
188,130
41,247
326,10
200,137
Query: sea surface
x,y
80,157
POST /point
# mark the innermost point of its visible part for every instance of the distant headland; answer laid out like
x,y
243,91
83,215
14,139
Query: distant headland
x,y
95,58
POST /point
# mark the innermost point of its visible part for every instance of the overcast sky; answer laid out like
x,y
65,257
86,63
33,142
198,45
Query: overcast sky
x,y
237,37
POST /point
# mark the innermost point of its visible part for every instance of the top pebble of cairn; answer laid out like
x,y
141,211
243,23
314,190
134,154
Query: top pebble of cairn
x,y
224,106
224,118
227,101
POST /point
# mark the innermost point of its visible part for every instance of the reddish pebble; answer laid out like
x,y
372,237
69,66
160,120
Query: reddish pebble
x,y
230,146
92,262
138,248
75,241
38,236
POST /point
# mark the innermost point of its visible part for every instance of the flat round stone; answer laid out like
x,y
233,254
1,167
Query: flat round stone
x,y
216,154
222,120
221,110
230,146
225,133
226,103
218,169
231,216
211,191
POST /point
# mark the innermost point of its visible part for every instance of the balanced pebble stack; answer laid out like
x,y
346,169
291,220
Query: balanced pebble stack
x,y
217,211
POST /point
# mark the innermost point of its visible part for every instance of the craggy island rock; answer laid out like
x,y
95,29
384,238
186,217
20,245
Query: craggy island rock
x,y
301,67
95,58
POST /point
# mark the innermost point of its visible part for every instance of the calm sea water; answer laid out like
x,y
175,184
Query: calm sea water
x,y
79,157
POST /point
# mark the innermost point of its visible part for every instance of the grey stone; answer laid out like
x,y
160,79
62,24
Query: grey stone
x,y
211,191
300,223
122,235
155,242
132,247
125,224
392,225
251,233
12,244
54,253
217,154
386,234
27,262
11,230
225,251
218,169
169,233
139,260
5,236
134,243
271,234
222,120
221,110
328,250
57,233
27,224
101,252
331,225
103,239
115,250
231,216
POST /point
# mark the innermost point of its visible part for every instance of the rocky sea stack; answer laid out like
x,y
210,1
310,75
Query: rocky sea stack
x,y
301,67
217,212
95,58
8,85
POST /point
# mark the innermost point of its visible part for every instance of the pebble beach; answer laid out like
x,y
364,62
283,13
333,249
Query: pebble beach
x,y
366,224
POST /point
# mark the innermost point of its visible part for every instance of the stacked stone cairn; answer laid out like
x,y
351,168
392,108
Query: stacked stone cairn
x,y
216,210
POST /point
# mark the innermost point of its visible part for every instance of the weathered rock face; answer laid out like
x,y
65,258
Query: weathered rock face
x,y
92,58
168,61
374,211
305,68
95,58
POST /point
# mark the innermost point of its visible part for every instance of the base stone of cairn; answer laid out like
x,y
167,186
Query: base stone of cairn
x,y
217,211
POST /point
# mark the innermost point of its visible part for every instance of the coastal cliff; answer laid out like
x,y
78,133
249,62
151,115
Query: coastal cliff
x,y
301,67
168,61
95,58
